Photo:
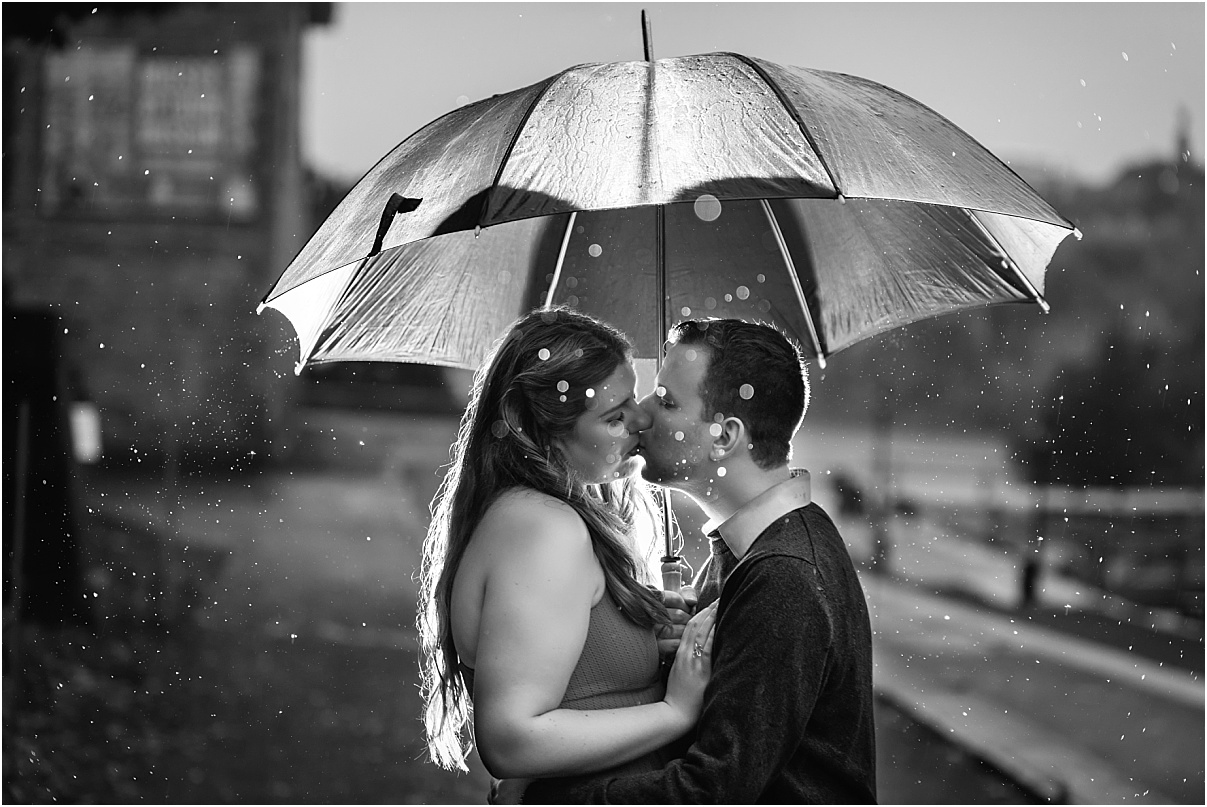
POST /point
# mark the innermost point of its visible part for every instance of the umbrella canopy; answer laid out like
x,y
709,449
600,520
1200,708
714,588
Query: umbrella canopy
x,y
647,192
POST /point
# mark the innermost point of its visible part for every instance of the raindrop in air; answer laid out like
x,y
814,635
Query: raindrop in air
x,y
707,207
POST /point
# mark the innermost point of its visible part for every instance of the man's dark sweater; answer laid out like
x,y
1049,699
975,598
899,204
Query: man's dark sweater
x,y
788,714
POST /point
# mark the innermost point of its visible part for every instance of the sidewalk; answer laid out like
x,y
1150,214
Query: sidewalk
x,y
305,641
1074,721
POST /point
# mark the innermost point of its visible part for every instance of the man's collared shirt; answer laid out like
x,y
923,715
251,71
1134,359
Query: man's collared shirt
x,y
729,539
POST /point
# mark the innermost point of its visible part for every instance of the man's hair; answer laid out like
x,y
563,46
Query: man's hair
x,y
755,373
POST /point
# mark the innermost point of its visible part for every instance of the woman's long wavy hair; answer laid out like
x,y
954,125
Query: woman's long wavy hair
x,y
528,393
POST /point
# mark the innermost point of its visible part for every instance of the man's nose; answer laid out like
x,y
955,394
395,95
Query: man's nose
x,y
641,419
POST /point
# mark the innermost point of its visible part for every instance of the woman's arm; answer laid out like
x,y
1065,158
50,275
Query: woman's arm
x,y
542,583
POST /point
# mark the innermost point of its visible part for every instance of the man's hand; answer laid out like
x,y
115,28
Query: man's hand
x,y
679,605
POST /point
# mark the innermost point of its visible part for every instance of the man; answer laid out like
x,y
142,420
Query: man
x,y
788,714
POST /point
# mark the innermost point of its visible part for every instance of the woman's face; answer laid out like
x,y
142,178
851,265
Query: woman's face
x,y
600,446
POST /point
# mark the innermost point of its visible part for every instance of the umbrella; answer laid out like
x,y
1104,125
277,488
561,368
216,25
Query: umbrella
x,y
649,191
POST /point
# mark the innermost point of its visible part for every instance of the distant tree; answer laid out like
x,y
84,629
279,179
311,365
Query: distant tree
x,y
1132,417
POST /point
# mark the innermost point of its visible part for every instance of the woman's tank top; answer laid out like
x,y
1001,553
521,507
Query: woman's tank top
x,y
618,667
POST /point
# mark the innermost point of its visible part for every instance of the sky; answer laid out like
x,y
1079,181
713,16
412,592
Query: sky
x,y
1079,90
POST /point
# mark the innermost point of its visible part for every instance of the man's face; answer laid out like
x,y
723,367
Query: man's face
x,y
676,444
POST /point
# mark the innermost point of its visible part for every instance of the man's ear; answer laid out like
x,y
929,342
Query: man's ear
x,y
727,439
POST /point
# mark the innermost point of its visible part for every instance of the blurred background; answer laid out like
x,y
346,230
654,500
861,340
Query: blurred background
x,y
209,561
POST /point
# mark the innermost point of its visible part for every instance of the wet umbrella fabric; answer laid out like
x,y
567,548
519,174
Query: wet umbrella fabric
x,y
720,185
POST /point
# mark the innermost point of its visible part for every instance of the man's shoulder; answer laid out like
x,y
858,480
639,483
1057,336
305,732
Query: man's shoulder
x,y
786,535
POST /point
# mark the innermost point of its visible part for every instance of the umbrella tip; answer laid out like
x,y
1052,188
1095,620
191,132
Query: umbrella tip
x,y
821,361
1077,233
297,368
1043,304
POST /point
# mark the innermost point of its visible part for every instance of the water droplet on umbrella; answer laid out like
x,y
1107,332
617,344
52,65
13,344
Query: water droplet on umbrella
x,y
563,385
595,250
707,207
543,353
743,292
746,392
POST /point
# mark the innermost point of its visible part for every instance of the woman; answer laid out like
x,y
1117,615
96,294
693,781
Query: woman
x,y
535,597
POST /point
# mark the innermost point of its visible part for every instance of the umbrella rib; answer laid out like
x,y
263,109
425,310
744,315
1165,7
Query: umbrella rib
x,y
561,257
804,130
796,287
1010,264
515,137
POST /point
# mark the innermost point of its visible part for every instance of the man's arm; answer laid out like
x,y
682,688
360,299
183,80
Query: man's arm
x,y
769,663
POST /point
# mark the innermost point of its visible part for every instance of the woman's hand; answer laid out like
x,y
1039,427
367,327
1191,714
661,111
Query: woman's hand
x,y
693,666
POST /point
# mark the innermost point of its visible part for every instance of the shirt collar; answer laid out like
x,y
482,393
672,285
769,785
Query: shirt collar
x,y
742,528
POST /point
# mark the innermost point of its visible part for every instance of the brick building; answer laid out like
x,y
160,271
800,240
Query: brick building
x,y
153,189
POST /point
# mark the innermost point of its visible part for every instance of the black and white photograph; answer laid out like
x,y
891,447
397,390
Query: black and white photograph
x,y
603,402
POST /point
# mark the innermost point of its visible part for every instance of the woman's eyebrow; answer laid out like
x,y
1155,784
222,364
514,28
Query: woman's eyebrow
x,y
616,408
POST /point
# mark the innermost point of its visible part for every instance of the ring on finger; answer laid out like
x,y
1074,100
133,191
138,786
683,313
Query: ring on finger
x,y
697,650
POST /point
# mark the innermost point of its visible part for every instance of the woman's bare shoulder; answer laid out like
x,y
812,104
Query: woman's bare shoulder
x,y
523,515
